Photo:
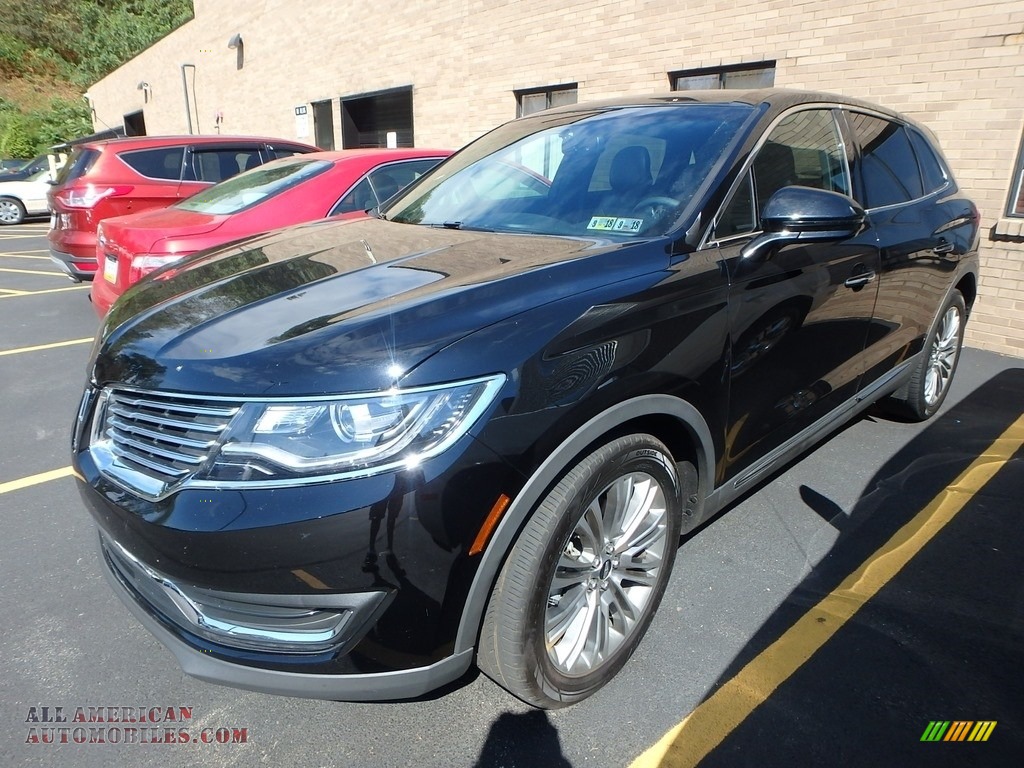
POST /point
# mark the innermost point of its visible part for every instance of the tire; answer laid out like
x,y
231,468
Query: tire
x,y
929,384
609,572
11,211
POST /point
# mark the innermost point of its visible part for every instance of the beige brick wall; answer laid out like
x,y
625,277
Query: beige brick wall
x,y
957,65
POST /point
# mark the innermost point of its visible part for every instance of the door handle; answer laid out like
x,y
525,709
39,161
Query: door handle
x,y
859,281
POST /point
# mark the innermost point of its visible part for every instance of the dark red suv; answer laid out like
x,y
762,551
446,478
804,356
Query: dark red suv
x,y
120,176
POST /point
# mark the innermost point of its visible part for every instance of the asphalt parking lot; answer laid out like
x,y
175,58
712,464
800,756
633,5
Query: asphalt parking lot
x,y
830,618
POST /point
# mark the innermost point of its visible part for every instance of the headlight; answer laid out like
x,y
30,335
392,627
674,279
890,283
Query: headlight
x,y
370,433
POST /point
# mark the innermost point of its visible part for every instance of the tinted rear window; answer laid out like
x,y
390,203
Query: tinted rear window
x,y
934,172
247,189
162,163
888,164
78,164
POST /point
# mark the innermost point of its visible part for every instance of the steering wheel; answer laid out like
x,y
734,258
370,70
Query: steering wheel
x,y
657,201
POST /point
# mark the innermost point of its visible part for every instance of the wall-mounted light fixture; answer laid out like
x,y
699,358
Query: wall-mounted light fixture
x,y
146,90
235,43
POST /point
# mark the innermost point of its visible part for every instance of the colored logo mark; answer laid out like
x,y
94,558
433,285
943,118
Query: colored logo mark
x,y
958,730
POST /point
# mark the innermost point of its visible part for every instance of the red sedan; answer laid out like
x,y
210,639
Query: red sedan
x,y
278,194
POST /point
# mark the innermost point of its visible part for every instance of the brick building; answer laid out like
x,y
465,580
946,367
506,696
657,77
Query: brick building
x,y
441,72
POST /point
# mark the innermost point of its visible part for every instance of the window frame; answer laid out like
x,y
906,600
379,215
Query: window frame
x,y
548,91
846,143
1015,199
722,73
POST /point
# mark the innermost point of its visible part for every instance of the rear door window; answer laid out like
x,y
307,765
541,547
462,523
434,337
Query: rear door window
x,y
932,168
161,163
888,166
213,165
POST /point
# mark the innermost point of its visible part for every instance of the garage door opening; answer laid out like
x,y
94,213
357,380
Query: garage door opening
x,y
380,119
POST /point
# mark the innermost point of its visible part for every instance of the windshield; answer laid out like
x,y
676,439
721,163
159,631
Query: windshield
x,y
626,172
252,187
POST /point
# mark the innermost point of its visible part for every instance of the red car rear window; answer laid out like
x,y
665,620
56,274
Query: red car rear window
x,y
78,164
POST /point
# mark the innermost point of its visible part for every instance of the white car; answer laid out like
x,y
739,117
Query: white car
x,y
19,199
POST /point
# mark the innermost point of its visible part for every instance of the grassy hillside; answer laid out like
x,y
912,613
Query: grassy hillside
x,y
51,51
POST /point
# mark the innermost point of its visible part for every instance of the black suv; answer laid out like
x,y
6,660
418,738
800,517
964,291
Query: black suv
x,y
350,459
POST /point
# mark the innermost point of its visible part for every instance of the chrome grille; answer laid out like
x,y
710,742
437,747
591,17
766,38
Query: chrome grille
x,y
158,437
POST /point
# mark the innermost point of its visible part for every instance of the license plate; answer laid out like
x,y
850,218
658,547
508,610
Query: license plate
x,y
110,269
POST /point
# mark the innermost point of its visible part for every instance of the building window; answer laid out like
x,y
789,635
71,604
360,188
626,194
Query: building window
x,y
1015,205
533,100
744,76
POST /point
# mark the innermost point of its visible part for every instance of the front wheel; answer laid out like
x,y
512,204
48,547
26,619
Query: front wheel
x,y
585,576
11,211
933,373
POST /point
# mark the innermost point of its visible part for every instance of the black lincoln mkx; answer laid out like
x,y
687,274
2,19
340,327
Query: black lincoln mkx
x,y
351,459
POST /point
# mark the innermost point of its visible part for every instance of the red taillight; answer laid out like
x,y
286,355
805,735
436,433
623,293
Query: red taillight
x,y
143,264
90,194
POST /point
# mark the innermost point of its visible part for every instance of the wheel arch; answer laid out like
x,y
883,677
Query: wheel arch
x,y
675,422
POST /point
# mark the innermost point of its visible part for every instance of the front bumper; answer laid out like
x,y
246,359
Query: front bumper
x,y
128,577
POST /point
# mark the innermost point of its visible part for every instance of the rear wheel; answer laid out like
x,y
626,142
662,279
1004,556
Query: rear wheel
x,y
11,211
585,576
933,373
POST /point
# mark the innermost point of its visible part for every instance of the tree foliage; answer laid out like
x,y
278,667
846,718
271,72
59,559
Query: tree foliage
x,y
60,42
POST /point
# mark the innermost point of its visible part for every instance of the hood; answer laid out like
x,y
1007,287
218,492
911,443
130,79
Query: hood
x,y
332,306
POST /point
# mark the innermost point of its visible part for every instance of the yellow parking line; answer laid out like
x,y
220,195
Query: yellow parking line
x,y
39,347
32,271
47,290
11,292
42,477
24,255
715,718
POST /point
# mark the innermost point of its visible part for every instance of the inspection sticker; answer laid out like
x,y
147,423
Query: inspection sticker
x,y
615,224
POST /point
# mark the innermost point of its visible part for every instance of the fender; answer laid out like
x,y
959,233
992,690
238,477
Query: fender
x,y
553,466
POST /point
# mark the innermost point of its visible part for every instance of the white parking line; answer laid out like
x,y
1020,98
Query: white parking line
x,y
39,347
42,477
19,294
32,271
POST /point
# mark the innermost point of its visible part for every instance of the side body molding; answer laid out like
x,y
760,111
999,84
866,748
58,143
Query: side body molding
x,y
553,466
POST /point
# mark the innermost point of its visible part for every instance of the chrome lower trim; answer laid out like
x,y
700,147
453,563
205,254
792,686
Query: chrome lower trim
x,y
823,426
374,686
287,624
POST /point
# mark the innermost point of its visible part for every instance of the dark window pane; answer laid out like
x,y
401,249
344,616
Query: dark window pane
x,y
749,78
394,177
698,82
931,166
888,165
218,164
164,163
359,198
803,150
738,217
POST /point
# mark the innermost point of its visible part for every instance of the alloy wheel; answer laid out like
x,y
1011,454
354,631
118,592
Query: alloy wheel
x,y
606,574
942,356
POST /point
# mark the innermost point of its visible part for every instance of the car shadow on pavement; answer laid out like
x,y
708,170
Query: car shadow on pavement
x,y
527,740
942,639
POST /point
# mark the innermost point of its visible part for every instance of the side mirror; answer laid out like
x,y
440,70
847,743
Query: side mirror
x,y
805,215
